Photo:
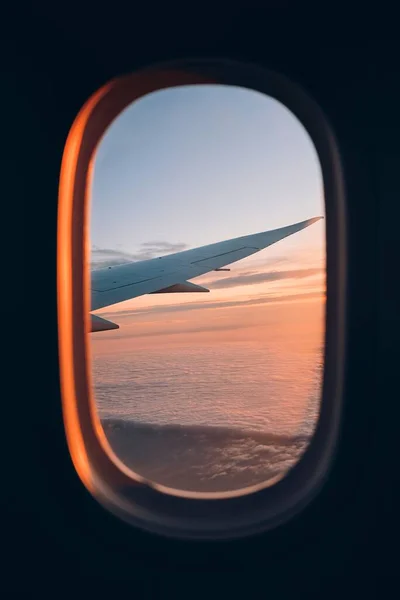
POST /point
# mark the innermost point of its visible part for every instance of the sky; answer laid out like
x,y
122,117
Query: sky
x,y
193,165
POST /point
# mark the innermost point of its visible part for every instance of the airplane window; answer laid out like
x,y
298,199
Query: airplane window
x,y
207,270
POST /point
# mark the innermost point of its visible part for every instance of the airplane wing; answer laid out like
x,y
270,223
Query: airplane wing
x,y
171,273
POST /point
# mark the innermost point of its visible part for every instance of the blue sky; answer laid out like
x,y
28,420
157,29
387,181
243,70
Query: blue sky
x,y
199,164
193,165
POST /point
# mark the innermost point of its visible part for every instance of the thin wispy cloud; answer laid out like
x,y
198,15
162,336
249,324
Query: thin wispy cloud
x,y
250,278
190,306
108,257
194,329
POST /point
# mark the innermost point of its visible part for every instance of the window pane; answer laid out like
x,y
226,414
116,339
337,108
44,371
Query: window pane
x,y
215,391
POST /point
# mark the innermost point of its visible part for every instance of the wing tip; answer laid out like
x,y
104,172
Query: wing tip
x,y
314,220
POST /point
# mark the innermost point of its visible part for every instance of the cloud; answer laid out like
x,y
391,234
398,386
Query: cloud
x,y
164,246
265,299
196,329
108,257
254,278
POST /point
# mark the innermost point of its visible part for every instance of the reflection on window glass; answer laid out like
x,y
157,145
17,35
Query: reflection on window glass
x,y
212,381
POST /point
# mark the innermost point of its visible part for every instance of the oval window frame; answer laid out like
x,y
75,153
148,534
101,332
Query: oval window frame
x,y
127,495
